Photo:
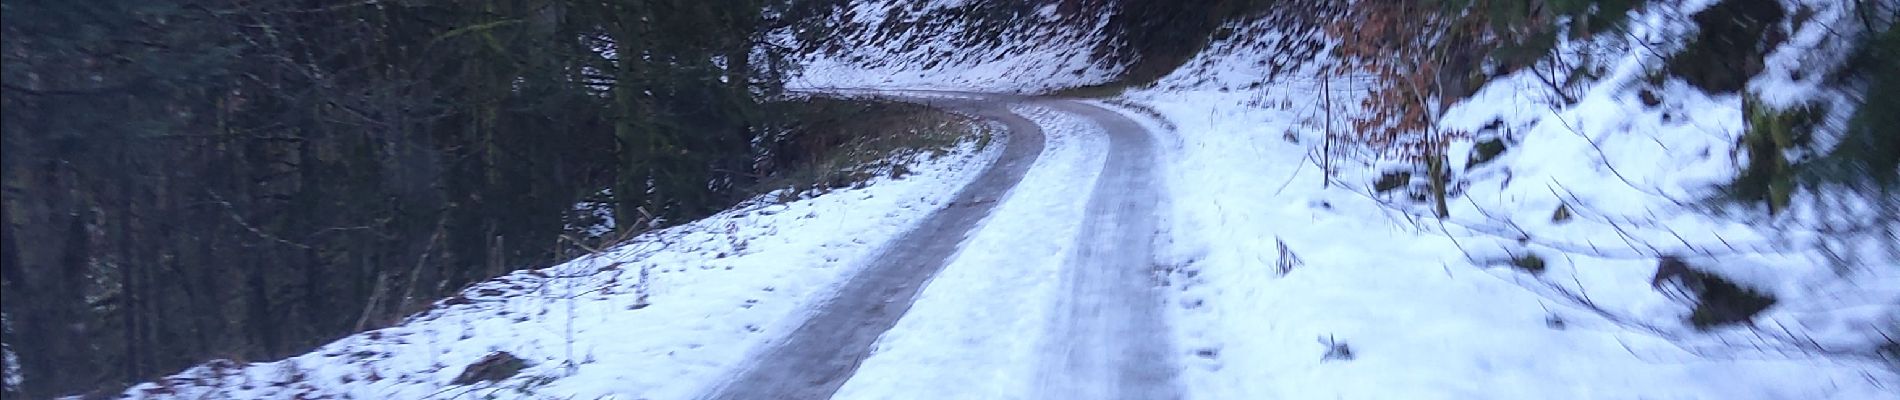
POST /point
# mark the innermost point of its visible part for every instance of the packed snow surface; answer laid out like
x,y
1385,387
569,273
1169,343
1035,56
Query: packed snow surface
x,y
971,333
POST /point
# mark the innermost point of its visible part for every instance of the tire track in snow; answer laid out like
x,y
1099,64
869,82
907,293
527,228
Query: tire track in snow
x,y
816,358
1109,338
1104,336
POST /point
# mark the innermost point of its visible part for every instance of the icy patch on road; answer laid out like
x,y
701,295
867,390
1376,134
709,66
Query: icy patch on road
x,y
720,287
973,332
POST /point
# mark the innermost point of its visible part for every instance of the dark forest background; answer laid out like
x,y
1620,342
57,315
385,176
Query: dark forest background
x,y
247,179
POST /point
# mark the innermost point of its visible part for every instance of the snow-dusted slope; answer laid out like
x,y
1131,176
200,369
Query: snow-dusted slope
x,y
719,287
1384,301
958,45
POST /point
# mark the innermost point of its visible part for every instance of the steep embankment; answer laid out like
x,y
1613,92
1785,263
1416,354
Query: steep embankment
x,y
984,46
1548,280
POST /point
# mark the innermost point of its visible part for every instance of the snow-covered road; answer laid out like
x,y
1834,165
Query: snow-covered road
x,y
1076,317
1109,336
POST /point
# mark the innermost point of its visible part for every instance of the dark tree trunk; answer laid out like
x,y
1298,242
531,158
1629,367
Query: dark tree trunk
x,y
260,317
69,317
631,174
129,291
212,326
14,293
317,311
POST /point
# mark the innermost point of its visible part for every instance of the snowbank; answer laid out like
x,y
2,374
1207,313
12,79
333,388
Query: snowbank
x,y
1435,310
719,287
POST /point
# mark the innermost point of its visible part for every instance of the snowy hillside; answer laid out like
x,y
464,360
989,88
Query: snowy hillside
x,y
1288,288
958,45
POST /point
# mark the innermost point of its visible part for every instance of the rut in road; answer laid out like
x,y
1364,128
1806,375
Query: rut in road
x,y
1109,338
815,359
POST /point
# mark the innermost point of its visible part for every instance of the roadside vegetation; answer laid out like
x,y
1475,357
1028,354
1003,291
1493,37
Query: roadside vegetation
x,y
845,143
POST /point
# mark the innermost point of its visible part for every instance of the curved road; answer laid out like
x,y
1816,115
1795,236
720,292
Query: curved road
x,y
1110,336
1110,340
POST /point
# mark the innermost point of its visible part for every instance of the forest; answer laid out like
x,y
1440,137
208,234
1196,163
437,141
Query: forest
x,y
203,179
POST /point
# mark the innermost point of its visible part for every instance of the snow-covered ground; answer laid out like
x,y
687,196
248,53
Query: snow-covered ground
x,y
1432,309
719,287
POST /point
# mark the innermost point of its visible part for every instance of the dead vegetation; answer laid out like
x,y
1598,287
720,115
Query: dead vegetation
x,y
848,142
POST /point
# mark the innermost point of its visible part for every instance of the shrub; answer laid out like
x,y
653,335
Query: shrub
x,y
1718,301
1485,151
1335,349
1868,156
1722,303
1728,50
1768,175
495,366
1562,214
1392,180
1531,263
